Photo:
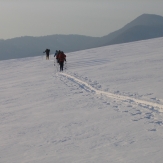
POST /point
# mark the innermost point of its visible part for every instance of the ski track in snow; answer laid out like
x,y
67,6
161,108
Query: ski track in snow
x,y
86,86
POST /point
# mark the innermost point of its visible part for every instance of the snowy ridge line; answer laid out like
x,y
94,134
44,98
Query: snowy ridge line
x,y
114,96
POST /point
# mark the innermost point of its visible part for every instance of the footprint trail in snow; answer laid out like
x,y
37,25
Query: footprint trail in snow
x,y
86,86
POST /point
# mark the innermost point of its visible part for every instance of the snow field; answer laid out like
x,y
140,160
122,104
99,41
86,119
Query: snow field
x,y
106,107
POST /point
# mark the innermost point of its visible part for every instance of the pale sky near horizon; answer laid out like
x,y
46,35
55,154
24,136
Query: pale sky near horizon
x,y
84,17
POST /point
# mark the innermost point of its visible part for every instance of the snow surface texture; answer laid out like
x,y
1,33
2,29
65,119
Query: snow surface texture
x,y
107,106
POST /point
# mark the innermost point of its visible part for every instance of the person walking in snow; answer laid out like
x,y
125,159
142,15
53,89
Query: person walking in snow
x,y
56,55
61,58
47,51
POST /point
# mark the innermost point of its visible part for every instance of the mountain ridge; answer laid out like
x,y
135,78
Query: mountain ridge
x,y
144,27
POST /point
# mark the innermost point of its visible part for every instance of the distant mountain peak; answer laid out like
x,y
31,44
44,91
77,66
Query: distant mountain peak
x,y
145,26
150,15
146,19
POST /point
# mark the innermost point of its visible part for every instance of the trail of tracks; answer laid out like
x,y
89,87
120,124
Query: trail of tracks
x,y
158,107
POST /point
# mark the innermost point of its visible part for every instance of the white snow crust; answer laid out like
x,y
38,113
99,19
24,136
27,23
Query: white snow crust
x,y
106,107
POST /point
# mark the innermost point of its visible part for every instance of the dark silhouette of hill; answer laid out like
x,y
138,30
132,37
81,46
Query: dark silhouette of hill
x,y
152,23
137,33
144,27
34,46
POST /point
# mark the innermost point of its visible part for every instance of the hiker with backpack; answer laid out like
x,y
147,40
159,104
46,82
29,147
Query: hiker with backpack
x,y
61,58
47,51
56,55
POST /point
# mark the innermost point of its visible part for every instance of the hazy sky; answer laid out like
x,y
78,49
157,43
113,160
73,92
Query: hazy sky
x,y
84,17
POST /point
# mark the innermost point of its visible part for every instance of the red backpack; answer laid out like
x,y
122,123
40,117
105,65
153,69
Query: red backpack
x,y
62,57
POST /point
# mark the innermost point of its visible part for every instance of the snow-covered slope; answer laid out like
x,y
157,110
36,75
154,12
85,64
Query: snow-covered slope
x,y
106,107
